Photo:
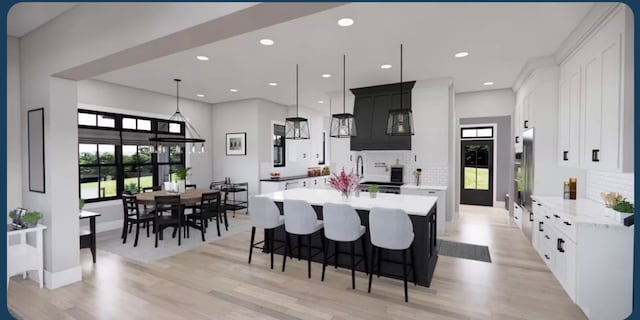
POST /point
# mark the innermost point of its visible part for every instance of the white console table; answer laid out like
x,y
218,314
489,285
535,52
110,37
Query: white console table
x,y
23,256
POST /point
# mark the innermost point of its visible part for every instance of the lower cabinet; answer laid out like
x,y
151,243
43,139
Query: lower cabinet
x,y
592,261
321,182
440,206
517,215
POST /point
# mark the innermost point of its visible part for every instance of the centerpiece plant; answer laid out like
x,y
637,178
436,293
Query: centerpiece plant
x,y
345,183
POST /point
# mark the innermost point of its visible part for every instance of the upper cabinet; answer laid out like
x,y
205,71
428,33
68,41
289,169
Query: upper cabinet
x,y
596,100
371,111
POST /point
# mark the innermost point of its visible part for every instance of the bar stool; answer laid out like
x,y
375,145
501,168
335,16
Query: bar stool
x,y
391,229
266,215
342,224
300,219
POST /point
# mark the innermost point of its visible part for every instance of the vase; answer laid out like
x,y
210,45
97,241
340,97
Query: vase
x,y
181,186
345,195
372,194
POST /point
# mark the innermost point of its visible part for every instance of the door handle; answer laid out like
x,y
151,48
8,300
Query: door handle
x,y
595,155
540,226
565,155
560,243
530,216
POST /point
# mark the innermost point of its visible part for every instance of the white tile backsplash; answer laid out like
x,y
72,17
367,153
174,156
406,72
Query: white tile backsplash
x,y
601,181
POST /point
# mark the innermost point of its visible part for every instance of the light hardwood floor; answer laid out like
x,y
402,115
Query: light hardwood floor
x,y
214,281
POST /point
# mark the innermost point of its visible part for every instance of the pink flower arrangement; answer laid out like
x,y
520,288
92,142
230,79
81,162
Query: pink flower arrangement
x,y
345,182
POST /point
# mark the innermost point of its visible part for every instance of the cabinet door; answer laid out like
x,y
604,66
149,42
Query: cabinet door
x,y
592,111
518,127
526,112
565,264
611,107
564,121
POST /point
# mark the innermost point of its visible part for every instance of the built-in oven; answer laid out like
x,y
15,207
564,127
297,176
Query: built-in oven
x,y
397,173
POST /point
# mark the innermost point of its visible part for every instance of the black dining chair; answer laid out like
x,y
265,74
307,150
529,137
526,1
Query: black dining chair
x,y
151,189
190,186
168,204
208,209
133,216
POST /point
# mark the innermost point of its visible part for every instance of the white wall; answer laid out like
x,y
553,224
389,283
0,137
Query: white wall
x,y
14,116
490,103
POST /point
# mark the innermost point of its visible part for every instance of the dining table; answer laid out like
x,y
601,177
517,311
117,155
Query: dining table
x,y
188,197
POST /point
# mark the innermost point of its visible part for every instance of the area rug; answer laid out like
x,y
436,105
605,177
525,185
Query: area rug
x,y
464,250
146,252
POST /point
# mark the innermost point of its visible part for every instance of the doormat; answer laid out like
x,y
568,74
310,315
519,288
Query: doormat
x,y
464,250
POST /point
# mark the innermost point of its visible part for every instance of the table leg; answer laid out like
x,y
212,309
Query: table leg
x,y
92,227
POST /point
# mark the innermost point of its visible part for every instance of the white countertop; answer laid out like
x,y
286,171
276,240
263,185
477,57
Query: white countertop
x,y
423,187
580,210
412,204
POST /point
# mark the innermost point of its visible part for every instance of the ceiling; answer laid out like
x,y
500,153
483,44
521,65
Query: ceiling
x,y
25,17
500,38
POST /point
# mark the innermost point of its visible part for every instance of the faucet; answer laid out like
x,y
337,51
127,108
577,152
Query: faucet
x,y
360,169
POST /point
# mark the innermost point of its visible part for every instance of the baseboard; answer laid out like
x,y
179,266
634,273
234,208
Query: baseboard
x,y
53,280
498,204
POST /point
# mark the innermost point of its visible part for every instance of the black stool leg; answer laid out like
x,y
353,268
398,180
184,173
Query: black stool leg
x,y
147,226
299,239
335,254
364,255
404,274
353,265
379,260
287,247
413,266
324,257
309,256
373,259
253,235
271,247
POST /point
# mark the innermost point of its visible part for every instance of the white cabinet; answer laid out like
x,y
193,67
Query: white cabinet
x,y
23,256
590,256
518,130
596,101
517,215
439,192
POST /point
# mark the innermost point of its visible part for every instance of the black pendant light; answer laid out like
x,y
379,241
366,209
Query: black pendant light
x,y
296,128
400,122
343,124
191,135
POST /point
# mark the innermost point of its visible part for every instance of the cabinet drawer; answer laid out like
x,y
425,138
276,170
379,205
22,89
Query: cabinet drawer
x,y
548,256
566,227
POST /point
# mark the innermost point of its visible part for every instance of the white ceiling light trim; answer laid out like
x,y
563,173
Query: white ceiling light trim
x,y
273,84
202,58
461,54
326,75
488,83
320,101
233,90
267,42
345,22
385,66
200,95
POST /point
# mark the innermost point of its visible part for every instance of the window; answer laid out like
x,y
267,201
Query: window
x,y
278,146
478,132
115,155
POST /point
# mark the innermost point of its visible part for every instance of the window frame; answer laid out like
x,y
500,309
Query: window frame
x,y
274,145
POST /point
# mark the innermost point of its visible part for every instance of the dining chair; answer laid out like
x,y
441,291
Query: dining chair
x,y
170,204
266,215
208,208
190,186
342,225
151,189
133,216
301,220
391,229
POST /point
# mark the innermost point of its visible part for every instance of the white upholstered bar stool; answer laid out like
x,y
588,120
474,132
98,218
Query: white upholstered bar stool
x,y
264,214
391,229
301,220
342,224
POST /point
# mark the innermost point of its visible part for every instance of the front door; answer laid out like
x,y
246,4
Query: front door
x,y
476,172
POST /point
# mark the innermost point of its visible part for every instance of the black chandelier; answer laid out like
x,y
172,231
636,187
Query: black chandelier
x,y
400,122
191,135
296,128
343,124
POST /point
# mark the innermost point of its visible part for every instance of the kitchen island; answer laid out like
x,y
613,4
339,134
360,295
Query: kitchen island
x,y
421,210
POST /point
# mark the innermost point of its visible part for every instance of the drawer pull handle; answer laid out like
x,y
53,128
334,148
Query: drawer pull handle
x,y
547,217
526,124
530,216
557,216
517,139
546,236
567,223
595,157
560,243
546,256
539,204
565,155
540,226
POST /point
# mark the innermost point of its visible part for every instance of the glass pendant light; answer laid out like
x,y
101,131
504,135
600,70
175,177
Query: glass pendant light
x,y
343,124
296,128
400,122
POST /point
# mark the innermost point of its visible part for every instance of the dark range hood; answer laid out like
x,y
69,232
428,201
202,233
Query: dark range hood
x,y
371,112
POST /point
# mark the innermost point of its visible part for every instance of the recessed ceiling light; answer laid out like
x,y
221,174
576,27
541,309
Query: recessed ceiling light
x,y
273,84
320,101
461,54
326,75
488,83
233,90
202,58
200,95
345,22
385,66
267,42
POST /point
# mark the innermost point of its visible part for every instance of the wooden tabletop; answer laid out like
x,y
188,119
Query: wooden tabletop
x,y
188,197
88,214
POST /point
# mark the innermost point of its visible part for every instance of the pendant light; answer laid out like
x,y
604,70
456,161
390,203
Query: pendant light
x,y
400,122
296,128
191,135
343,124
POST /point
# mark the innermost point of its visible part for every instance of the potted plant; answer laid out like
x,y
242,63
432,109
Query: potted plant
x,y
16,215
181,174
623,209
373,190
31,218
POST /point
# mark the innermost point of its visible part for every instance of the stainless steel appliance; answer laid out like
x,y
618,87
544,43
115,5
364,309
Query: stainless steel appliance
x,y
397,172
526,181
383,187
